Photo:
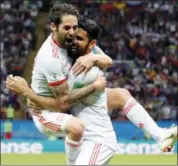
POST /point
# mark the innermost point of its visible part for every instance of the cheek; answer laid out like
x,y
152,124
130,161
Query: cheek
x,y
80,45
62,33
65,34
85,46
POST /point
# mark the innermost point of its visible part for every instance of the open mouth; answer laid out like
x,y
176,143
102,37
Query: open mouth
x,y
69,40
74,48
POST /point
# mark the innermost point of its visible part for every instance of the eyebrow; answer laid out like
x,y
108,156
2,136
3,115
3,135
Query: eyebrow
x,y
70,26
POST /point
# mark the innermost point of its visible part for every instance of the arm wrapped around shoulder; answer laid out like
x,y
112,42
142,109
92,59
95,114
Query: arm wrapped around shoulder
x,y
86,79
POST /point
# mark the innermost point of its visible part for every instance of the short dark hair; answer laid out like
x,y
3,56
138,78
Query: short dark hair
x,y
91,27
60,9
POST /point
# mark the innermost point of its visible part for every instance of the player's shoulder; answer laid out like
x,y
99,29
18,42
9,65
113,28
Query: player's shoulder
x,y
49,52
45,49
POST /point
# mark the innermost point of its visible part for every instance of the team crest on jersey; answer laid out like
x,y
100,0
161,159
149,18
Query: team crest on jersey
x,y
55,75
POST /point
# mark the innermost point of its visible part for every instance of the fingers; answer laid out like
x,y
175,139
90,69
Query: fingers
x,y
101,77
35,111
79,70
76,65
86,70
34,106
101,74
103,80
12,88
10,83
18,78
10,78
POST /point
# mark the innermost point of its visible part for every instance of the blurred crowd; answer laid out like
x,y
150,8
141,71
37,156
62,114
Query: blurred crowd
x,y
142,37
18,22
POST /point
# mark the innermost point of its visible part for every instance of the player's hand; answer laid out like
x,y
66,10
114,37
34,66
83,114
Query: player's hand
x,y
33,106
100,83
17,84
83,64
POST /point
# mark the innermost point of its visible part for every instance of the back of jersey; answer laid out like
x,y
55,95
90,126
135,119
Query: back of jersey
x,y
93,112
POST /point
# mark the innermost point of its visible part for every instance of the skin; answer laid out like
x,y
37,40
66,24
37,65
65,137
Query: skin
x,y
65,30
116,97
83,46
63,33
121,94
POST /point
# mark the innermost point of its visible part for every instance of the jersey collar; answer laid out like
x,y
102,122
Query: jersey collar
x,y
56,42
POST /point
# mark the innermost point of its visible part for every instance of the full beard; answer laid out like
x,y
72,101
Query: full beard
x,y
76,53
73,54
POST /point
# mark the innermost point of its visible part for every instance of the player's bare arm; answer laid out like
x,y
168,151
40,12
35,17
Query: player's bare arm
x,y
66,99
101,59
86,62
20,85
60,103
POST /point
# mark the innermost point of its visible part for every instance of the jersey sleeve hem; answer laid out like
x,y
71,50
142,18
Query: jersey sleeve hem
x,y
57,82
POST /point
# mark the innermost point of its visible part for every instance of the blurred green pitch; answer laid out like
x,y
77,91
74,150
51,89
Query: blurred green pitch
x,y
59,158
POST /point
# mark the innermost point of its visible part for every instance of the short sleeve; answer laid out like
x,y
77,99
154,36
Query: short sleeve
x,y
53,71
96,49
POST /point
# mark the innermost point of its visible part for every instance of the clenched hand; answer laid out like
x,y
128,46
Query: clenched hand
x,y
17,84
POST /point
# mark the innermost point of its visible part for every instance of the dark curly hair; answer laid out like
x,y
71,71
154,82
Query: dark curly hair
x,y
91,27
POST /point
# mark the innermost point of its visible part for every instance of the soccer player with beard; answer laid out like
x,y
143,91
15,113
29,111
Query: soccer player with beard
x,y
118,98
49,79
84,43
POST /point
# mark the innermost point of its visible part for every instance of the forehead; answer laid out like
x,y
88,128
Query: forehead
x,y
82,33
69,20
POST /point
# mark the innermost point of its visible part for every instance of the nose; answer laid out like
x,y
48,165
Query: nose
x,y
74,42
71,32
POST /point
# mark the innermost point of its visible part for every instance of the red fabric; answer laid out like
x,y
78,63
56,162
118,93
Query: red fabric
x,y
8,135
57,83
106,7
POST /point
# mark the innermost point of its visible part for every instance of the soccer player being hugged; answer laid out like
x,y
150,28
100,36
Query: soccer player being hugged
x,y
84,43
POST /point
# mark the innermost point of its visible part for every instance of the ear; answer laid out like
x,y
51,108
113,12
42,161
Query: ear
x,y
92,44
53,26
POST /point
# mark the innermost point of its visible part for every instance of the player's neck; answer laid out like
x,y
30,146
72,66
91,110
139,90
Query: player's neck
x,y
88,52
56,41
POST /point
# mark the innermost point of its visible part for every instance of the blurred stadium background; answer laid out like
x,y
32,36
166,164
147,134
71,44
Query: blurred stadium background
x,y
142,39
